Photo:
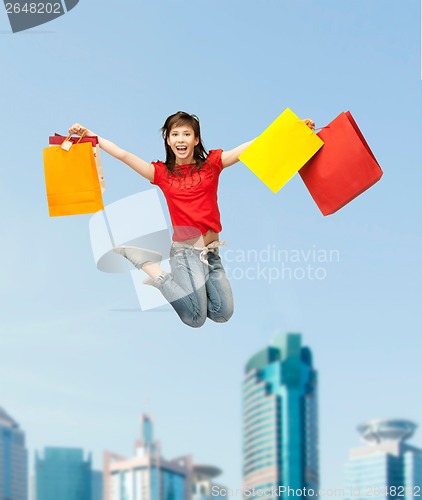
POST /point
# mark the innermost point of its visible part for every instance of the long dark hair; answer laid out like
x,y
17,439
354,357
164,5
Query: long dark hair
x,y
199,153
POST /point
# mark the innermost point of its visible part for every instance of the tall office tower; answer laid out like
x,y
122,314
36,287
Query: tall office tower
x,y
63,474
388,466
280,420
13,460
148,476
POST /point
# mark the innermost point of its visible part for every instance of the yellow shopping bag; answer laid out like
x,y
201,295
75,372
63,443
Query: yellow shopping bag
x,y
71,179
281,150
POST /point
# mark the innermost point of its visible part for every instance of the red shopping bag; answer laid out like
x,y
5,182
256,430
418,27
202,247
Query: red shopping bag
x,y
343,168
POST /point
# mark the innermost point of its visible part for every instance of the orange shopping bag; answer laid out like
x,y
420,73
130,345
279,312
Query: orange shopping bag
x,y
57,140
71,179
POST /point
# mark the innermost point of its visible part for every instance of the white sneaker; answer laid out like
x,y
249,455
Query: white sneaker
x,y
138,256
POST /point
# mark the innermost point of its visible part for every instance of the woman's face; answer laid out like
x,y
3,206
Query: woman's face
x,y
182,141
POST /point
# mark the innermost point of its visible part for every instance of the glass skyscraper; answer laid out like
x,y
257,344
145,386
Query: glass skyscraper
x,y
388,466
63,473
280,421
13,460
146,476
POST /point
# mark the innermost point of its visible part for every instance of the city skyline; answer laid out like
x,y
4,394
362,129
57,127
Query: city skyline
x,y
281,447
387,461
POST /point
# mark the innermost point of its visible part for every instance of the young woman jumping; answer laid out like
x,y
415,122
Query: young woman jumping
x,y
197,286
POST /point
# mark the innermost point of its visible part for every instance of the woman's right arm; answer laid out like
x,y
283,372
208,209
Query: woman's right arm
x,y
141,166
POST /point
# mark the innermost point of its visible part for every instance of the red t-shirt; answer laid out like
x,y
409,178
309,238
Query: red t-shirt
x,y
192,198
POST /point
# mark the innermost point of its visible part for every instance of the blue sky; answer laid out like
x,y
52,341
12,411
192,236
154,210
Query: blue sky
x,y
79,360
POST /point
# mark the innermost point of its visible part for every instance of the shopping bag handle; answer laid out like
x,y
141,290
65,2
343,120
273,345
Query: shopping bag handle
x,y
315,129
70,135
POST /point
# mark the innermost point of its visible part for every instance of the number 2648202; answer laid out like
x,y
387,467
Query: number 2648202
x,y
34,8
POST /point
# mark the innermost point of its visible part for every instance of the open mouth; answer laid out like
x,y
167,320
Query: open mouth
x,y
181,149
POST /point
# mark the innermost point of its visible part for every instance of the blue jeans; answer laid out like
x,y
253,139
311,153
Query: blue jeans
x,y
194,289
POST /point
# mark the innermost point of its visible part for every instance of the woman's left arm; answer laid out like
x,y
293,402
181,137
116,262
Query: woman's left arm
x,y
231,157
